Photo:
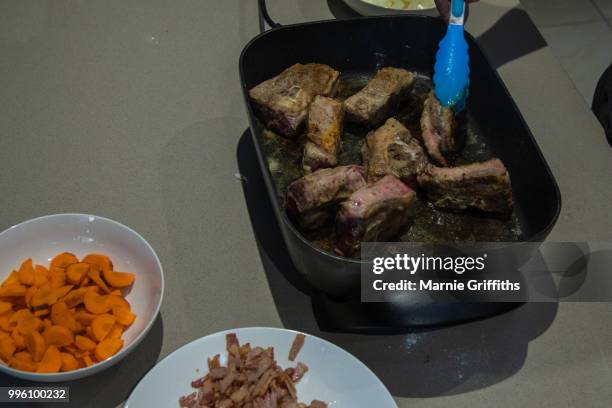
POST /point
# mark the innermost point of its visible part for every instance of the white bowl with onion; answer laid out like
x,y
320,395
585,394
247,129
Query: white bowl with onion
x,y
383,7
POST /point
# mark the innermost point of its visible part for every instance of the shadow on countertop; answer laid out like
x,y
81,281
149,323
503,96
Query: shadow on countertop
x,y
423,362
111,387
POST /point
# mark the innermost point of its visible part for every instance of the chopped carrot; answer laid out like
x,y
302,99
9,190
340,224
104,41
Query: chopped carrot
x,y
58,336
18,339
118,279
57,277
26,272
76,272
5,307
87,360
12,290
35,344
51,361
13,279
108,348
94,275
95,303
26,321
63,260
63,318
84,343
69,363
7,346
41,275
101,326
61,315
114,300
124,316
116,331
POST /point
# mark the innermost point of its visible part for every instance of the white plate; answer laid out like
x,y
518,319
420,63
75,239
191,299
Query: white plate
x,y
334,376
369,9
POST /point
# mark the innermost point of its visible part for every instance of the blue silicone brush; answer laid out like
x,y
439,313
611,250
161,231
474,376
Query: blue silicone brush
x,y
452,69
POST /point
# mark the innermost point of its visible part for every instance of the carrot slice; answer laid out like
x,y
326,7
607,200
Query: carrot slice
x,y
95,303
118,279
5,307
12,290
94,275
85,318
69,363
58,293
61,315
5,322
26,321
47,323
51,361
87,360
13,279
26,272
41,275
57,277
7,347
101,326
28,295
19,364
75,297
102,261
116,332
108,348
124,316
35,344
18,339
84,343
58,336
41,296
114,300
23,355
76,272
63,260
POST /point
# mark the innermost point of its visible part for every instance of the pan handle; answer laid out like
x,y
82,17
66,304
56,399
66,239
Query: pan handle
x,y
264,17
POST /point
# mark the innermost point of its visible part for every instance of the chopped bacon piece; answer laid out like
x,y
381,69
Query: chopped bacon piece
x,y
297,345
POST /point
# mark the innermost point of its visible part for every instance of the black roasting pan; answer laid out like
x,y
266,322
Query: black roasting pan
x,y
361,46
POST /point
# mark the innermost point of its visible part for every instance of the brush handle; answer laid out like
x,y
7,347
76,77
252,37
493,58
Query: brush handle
x,y
457,15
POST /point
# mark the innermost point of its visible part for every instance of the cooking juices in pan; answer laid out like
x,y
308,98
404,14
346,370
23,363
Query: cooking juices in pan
x,y
428,224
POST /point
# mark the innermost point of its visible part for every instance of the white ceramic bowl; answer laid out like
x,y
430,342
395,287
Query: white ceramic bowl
x,y
333,376
43,238
369,9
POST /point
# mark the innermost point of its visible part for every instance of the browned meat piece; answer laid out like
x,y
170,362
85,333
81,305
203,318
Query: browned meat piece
x,y
374,213
437,129
391,149
324,130
318,404
297,345
282,102
380,97
310,198
483,186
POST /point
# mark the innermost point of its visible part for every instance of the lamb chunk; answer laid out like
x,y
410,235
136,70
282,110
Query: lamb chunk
x,y
437,129
374,213
391,149
324,130
310,198
282,102
318,404
380,97
297,345
484,186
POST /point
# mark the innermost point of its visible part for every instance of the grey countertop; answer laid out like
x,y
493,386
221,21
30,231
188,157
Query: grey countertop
x,y
133,110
